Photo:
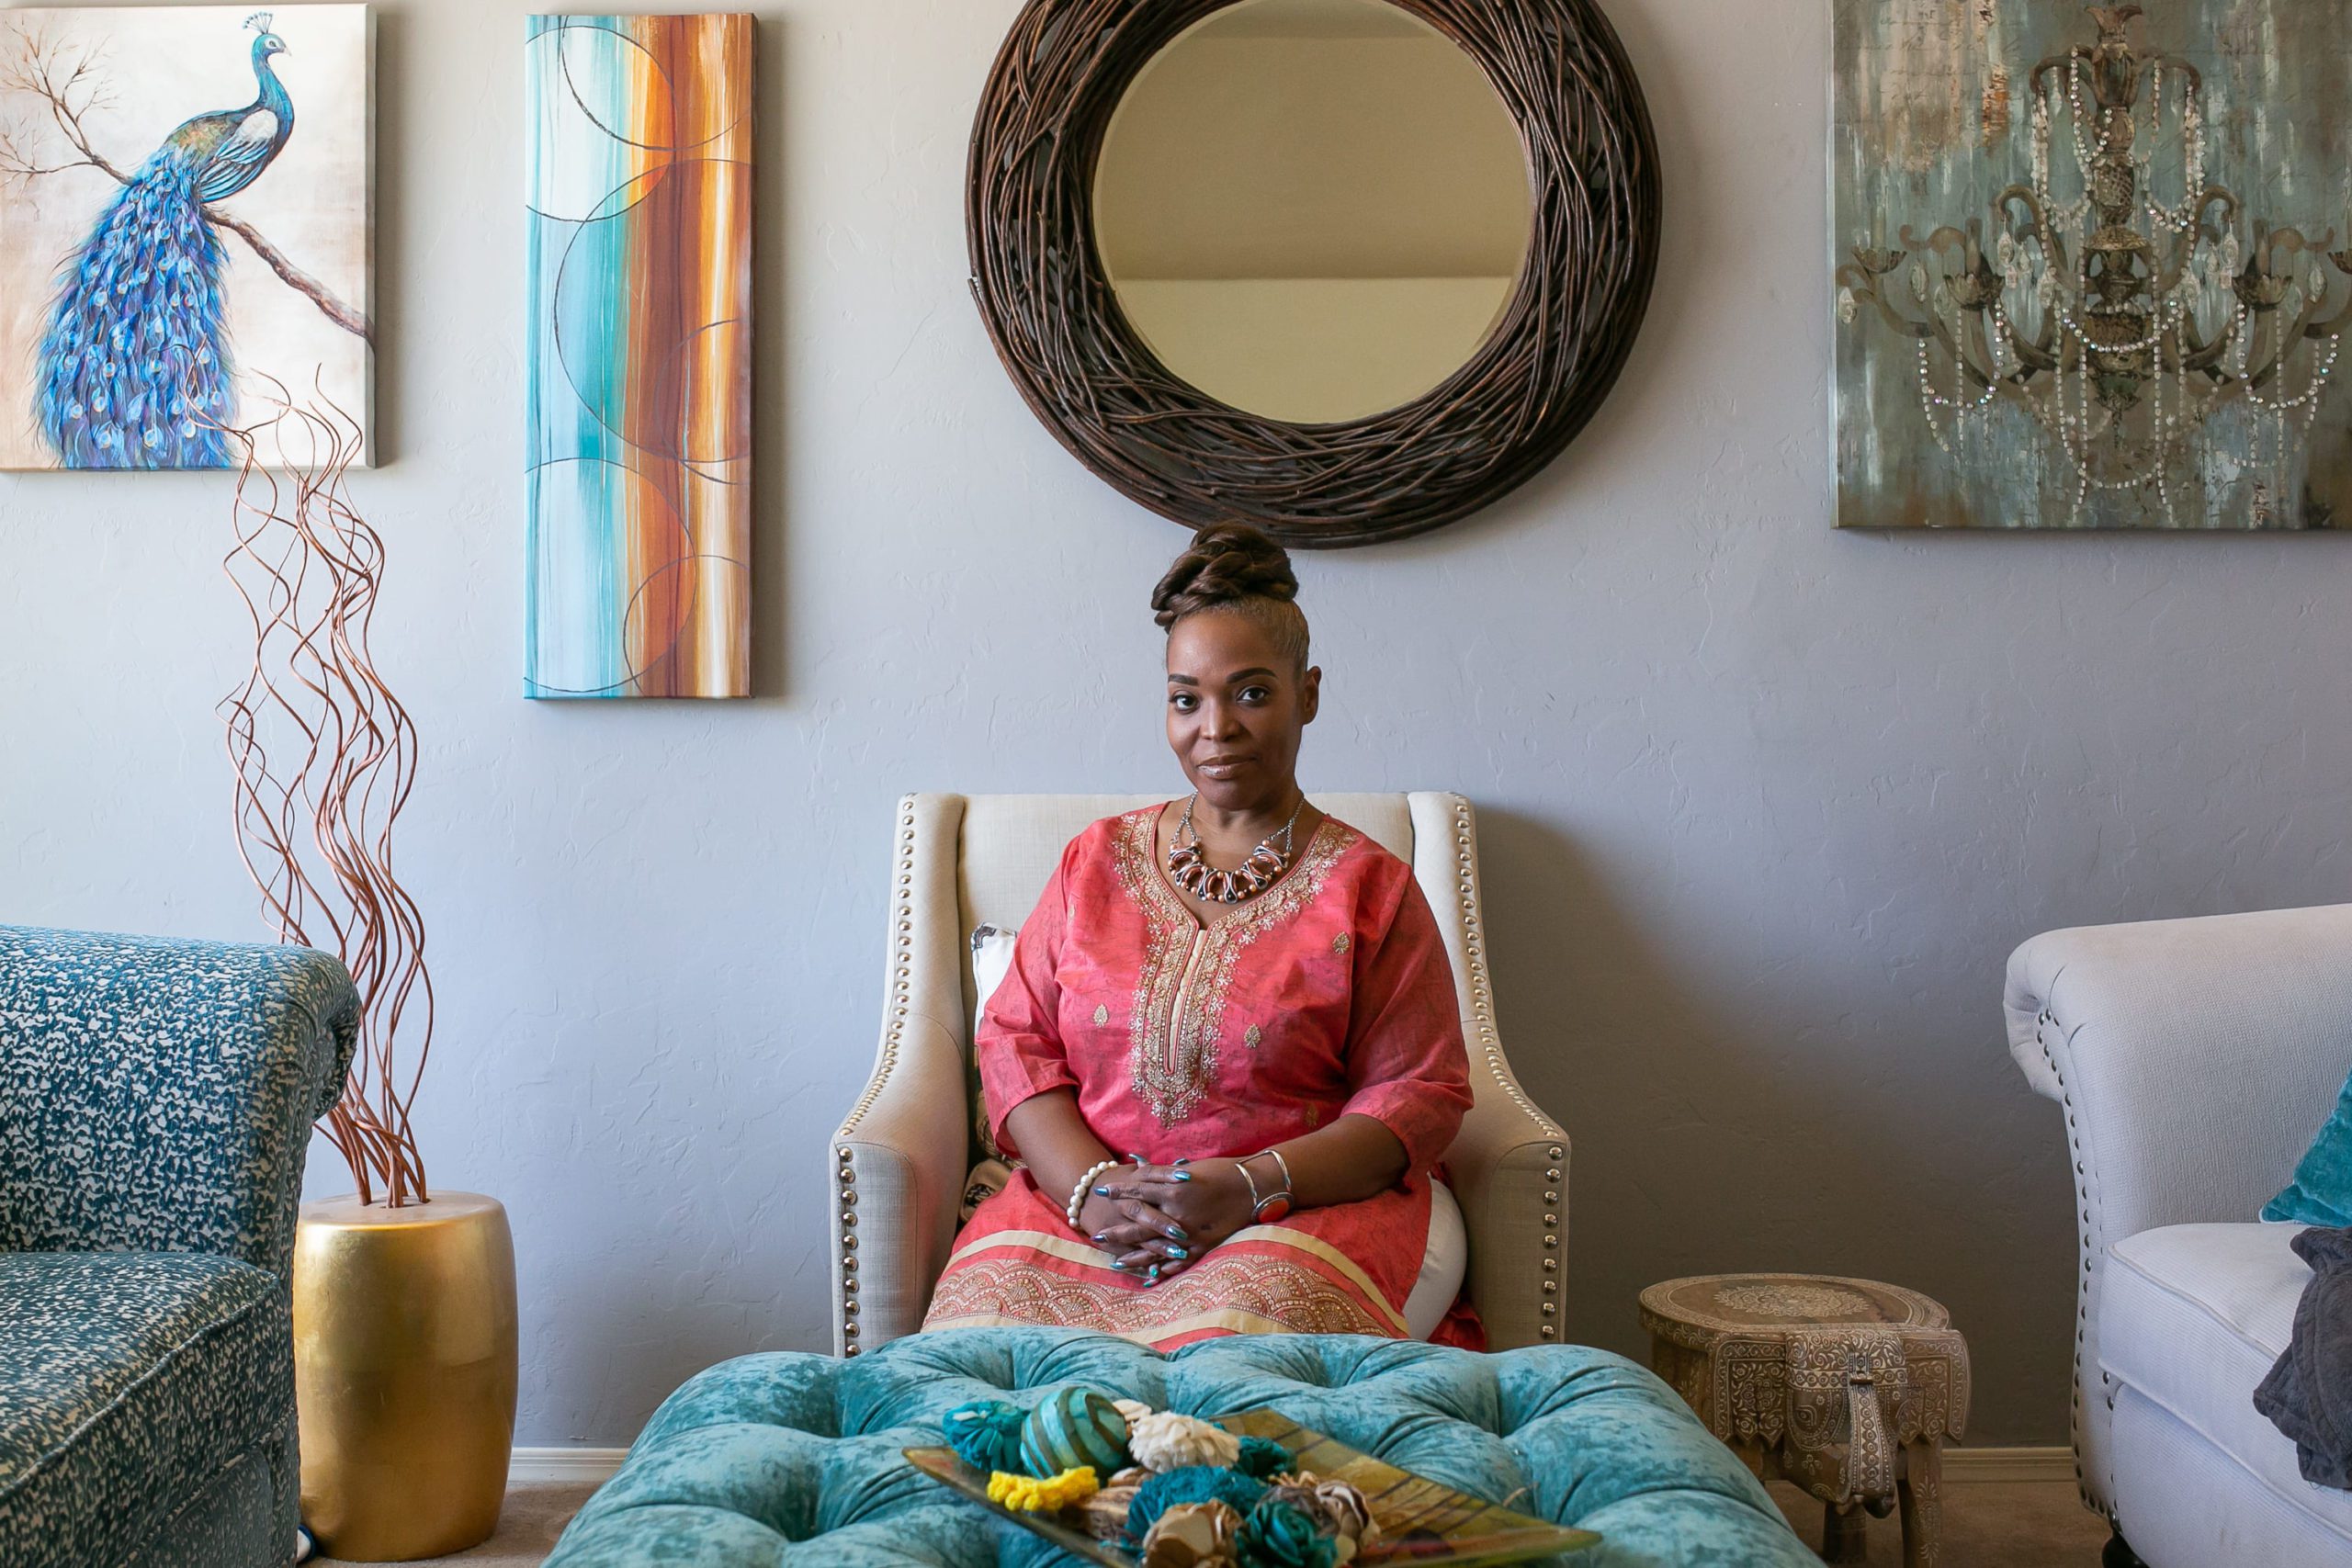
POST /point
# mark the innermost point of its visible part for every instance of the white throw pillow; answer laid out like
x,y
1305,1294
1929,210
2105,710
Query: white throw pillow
x,y
992,961
1443,1263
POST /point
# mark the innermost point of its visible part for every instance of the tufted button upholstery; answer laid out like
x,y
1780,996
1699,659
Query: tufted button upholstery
x,y
788,1459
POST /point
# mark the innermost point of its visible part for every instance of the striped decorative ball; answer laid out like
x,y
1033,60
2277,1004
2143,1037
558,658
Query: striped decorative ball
x,y
1073,1427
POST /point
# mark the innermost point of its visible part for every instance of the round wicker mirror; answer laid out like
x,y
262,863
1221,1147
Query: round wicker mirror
x,y
1316,210
1039,275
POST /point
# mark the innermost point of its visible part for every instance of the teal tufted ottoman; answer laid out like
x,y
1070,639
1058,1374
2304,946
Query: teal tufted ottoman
x,y
795,1459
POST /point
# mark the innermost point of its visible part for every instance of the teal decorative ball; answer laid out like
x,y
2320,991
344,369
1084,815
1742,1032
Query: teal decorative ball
x,y
1073,1427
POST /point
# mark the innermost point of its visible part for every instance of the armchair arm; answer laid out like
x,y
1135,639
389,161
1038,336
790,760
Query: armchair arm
x,y
1509,1164
2194,1060
900,1170
1508,1167
158,1096
898,1157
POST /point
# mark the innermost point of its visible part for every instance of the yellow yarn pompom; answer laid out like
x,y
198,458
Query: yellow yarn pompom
x,y
1025,1494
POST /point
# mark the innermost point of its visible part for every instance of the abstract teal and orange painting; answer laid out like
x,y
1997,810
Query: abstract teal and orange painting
x,y
638,168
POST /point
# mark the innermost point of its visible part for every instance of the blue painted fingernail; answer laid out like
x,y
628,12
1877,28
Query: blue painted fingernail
x,y
1102,1235
1102,1192
1181,1252
1179,1232
1155,1273
1181,1175
1186,1160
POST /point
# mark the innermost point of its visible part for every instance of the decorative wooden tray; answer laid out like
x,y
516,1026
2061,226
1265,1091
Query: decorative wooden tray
x,y
1420,1521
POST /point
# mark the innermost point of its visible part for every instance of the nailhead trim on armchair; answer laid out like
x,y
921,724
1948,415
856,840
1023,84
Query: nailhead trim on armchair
x,y
2084,1231
1489,1043
893,1032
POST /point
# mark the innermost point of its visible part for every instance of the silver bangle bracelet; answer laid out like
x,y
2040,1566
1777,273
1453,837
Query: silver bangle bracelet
x,y
1267,1208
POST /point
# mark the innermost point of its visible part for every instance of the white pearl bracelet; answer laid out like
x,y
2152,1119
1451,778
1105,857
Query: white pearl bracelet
x,y
1078,1194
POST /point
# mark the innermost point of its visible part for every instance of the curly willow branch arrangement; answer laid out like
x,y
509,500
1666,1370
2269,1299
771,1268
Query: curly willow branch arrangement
x,y
1037,275
308,566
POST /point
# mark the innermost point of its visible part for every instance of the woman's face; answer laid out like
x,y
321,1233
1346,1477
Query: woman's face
x,y
1236,707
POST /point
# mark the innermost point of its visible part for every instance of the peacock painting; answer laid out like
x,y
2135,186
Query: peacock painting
x,y
154,284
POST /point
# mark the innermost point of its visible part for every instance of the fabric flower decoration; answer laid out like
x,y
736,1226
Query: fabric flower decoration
x,y
1192,1534
1280,1534
1338,1507
1195,1484
986,1434
1349,1510
1027,1494
1163,1440
1107,1511
1262,1457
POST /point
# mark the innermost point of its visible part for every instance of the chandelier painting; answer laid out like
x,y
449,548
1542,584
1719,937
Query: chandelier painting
x,y
2084,271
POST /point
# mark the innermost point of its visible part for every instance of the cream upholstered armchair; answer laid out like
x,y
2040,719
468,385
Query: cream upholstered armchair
x,y
901,1158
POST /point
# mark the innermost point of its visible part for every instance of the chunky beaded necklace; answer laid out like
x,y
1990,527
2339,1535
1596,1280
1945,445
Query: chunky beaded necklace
x,y
1190,871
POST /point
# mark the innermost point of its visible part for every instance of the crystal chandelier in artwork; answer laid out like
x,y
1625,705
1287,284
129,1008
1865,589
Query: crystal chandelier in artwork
x,y
2128,318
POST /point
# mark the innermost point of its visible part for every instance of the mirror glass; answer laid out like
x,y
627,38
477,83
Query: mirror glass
x,y
1314,210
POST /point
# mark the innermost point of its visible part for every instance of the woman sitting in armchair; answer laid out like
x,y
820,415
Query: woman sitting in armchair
x,y
1228,1053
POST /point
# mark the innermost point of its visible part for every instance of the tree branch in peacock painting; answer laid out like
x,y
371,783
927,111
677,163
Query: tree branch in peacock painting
x,y
133,365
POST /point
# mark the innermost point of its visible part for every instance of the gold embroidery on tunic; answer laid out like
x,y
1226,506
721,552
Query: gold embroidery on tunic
x,y
1102,1014
1252,1035
1170,1075
1166,948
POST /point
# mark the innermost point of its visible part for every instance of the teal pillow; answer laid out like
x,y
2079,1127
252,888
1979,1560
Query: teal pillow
x,y
2321,1193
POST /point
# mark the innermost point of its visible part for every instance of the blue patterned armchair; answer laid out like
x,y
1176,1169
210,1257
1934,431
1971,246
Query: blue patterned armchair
x,y
155,1108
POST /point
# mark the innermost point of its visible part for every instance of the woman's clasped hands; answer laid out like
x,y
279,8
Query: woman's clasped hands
x,y
1156,1220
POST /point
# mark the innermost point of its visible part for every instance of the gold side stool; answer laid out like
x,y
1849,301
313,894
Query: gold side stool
x,y
1847,1387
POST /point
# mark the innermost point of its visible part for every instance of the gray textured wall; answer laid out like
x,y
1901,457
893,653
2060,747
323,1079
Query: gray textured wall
x,y
1765,806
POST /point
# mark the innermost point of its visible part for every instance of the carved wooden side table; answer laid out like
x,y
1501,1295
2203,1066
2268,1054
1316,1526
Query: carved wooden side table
x,y
1847,1387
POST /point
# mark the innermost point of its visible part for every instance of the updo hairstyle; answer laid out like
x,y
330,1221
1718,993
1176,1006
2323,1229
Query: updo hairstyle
x,y
1233,568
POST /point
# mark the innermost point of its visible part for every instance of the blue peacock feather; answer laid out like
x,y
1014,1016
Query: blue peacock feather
x,y
134,369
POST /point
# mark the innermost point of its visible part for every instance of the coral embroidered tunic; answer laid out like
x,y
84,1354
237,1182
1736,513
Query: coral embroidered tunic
x,y
1330,995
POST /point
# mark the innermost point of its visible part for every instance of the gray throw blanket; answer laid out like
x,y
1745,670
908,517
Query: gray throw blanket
x,y
2308,1395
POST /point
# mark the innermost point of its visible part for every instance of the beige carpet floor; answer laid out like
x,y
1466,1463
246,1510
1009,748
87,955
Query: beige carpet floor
x,y
534,1516
2027,1525
2035,1525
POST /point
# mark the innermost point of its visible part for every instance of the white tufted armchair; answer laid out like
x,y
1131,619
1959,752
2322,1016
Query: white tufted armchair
x,y
2194,1060
900,1159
